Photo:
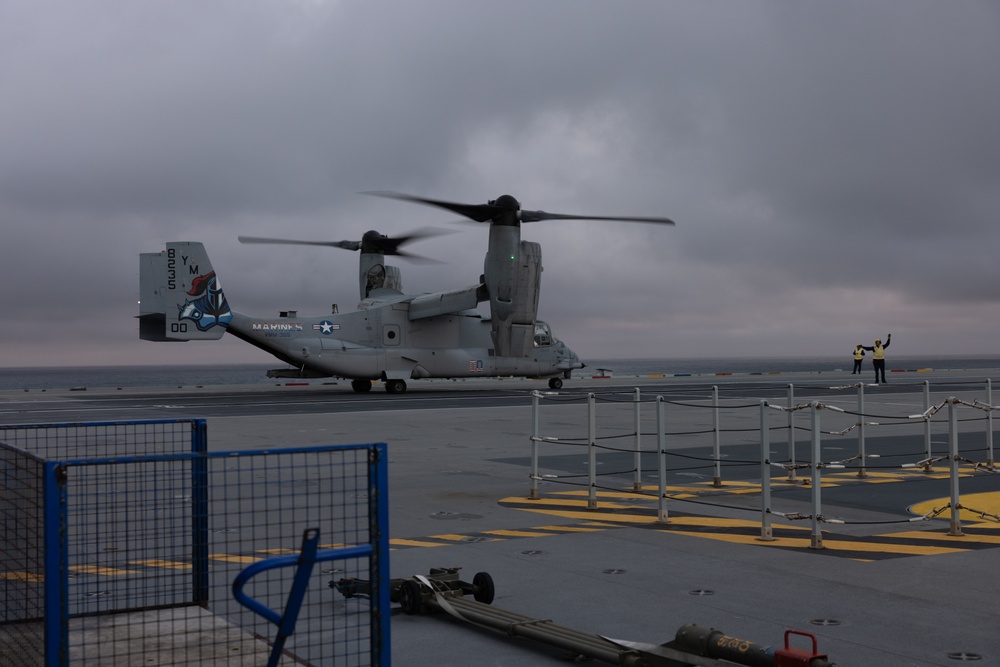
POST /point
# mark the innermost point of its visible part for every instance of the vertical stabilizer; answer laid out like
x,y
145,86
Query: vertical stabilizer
x,y
180,295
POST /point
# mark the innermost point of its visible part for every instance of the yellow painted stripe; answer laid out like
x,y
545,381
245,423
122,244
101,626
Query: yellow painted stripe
x,y
745,539
625,494
566,502
875,474
169,564
600,524
581,515
453,537
719,522
943,535
104,571
22,576
988,501
831,545
277,552
571,529
514,533
335,546
874,480
234,559
413,543
880,547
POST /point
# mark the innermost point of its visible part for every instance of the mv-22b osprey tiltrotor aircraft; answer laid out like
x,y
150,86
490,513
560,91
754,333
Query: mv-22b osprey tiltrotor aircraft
x,y
392,337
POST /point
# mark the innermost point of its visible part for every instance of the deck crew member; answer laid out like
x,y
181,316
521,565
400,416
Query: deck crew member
x,y
878,356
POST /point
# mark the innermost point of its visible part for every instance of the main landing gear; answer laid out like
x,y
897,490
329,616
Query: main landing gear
x,y
555,383
395,386
361,386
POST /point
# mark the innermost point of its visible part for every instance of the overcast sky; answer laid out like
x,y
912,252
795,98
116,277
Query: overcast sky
x,y
833,167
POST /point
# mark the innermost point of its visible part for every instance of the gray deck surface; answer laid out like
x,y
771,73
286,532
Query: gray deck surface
x,y
458,494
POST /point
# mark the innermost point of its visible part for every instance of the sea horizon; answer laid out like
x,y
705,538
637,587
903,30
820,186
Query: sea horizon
x,y
166,375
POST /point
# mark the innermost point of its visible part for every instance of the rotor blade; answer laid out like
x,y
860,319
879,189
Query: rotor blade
x,y
394,242
537,216
387,245
416,259
346,245
477,212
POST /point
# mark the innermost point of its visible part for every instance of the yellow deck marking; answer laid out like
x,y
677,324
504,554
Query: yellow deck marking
x,y
105,571
626,494
229,558
514,533
22,576
568,502
611,513
413,543
600,524
277,552
169,564
943,535
719,522
571,529
585,514
983,502
832,545
453,537
335,546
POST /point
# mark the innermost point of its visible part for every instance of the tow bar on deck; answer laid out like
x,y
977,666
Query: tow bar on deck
x,y
693,646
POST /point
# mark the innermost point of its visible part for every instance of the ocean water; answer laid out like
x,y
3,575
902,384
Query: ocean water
x,y
253,374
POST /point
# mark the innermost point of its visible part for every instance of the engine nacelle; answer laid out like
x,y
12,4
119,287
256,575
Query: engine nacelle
x,y
513,278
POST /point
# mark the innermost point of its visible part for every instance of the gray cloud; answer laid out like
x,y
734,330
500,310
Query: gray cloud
x,y
833,167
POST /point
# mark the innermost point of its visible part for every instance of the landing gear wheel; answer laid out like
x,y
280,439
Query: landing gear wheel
x,y
361,386
482,588
410,598
395,386
555,383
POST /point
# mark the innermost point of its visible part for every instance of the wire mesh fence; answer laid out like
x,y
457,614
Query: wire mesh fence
x,y
122,542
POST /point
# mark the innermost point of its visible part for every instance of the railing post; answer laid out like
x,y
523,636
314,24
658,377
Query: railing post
x,y
956,522
535,399
989,424
592,450
927,428
637,481
861,428
791,433
56,561
716,446
766,533
661,447
817,535
199,514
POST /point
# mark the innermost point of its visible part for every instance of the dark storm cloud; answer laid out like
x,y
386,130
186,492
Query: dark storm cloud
x,y
833,166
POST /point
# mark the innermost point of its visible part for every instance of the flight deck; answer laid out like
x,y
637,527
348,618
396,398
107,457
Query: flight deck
x,y
623,560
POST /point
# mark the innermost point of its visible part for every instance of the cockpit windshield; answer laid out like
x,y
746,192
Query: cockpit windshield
x,y
543,335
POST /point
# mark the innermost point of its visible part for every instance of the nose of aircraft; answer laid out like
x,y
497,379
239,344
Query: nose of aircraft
x,y
570,360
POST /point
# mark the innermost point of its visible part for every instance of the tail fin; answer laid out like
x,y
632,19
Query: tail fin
x,y
180,295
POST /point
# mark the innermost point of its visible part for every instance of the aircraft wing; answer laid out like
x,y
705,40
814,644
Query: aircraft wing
x,y
443,303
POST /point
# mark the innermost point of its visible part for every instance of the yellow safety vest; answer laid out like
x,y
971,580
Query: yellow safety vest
x,y
879,352
859,353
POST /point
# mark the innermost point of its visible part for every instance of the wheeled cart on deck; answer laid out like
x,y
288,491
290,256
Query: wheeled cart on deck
x,y
693,646
410,594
